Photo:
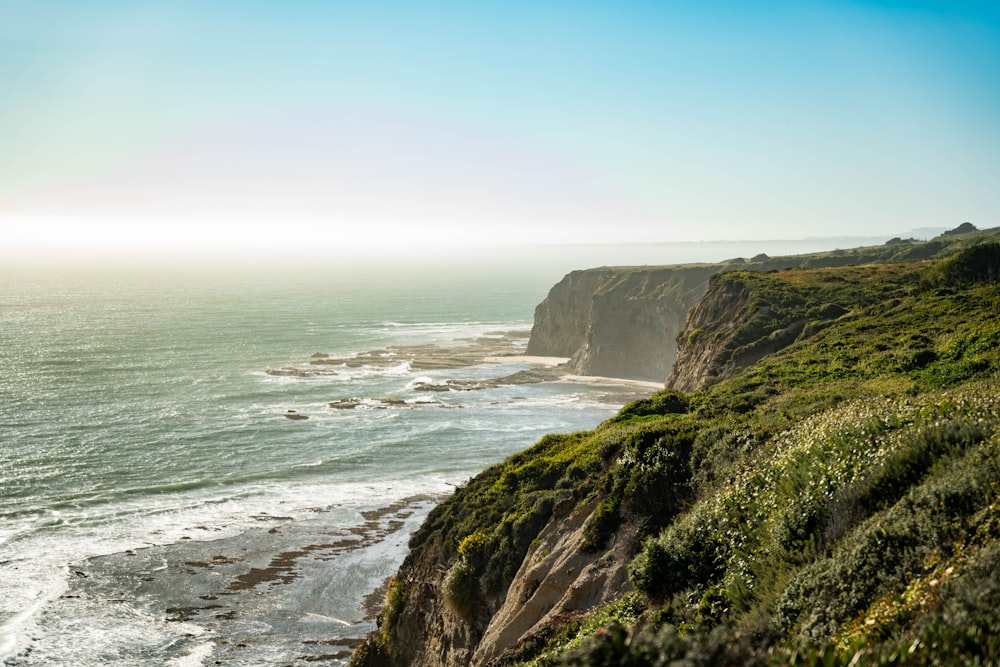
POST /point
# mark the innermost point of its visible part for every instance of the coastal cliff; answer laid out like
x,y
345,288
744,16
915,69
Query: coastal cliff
x,y
618,322
625,321
819,483
742,319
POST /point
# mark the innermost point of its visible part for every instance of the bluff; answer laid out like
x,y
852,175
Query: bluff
x,y
625,321
618,322
821,495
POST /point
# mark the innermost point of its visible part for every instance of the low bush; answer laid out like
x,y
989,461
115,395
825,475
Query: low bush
x,y
978,265
460,587
662,403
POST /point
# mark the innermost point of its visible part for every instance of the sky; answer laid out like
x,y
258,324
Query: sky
x,y
296,124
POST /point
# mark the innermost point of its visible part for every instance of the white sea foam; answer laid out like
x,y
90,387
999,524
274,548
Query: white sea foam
x,y
196,657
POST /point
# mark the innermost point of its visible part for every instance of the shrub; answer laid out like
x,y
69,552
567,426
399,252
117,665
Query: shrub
x,y
605,522
686,555
460,587
372,653
662,403
375,651
978,265
473,545
395,600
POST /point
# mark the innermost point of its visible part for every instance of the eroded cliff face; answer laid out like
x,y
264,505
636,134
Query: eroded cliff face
x,y
562,319
624,321
703,348
619,322
743,317
556,582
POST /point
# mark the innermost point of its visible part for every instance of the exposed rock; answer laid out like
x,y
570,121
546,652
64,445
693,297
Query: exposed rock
x,y
292,414
345,403
530,376
746,316
291,371
556,580
618,322
709,329
729,329
563,318
467,352
449,385
377,403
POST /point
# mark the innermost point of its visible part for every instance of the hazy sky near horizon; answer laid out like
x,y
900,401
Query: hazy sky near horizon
x,y
217,123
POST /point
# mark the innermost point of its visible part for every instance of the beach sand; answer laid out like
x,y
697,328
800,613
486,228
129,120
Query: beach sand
x,y
597,379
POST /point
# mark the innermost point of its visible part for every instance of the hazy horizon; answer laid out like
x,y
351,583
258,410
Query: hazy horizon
x,y
390,128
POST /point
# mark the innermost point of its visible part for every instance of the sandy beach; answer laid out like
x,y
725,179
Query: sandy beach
x,y
553,362
597,379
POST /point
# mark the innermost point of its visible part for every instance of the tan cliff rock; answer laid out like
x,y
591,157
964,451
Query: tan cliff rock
x,y
556,581
619,322
703,353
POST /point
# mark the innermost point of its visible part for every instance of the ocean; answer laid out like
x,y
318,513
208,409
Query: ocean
x,y
208,464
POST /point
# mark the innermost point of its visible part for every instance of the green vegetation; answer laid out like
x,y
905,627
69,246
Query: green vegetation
x,y
377,648
572,632
835,503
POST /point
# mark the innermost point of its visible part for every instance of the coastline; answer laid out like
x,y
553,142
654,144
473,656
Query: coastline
x,y
601,380
290,591
555,362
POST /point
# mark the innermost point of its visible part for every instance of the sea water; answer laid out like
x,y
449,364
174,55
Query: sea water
x,y
136,411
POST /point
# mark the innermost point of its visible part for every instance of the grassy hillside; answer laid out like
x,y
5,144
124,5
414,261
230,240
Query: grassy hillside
x,y
835,503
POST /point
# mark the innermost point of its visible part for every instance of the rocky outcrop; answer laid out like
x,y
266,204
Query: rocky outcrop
x,y
618,322
745,316
703,348
563,318
556,582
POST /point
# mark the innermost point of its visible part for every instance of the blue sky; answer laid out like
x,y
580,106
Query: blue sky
x,y
152,123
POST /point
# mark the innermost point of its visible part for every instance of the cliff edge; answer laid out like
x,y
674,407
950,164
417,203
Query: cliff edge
x,y
618,322
625,321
